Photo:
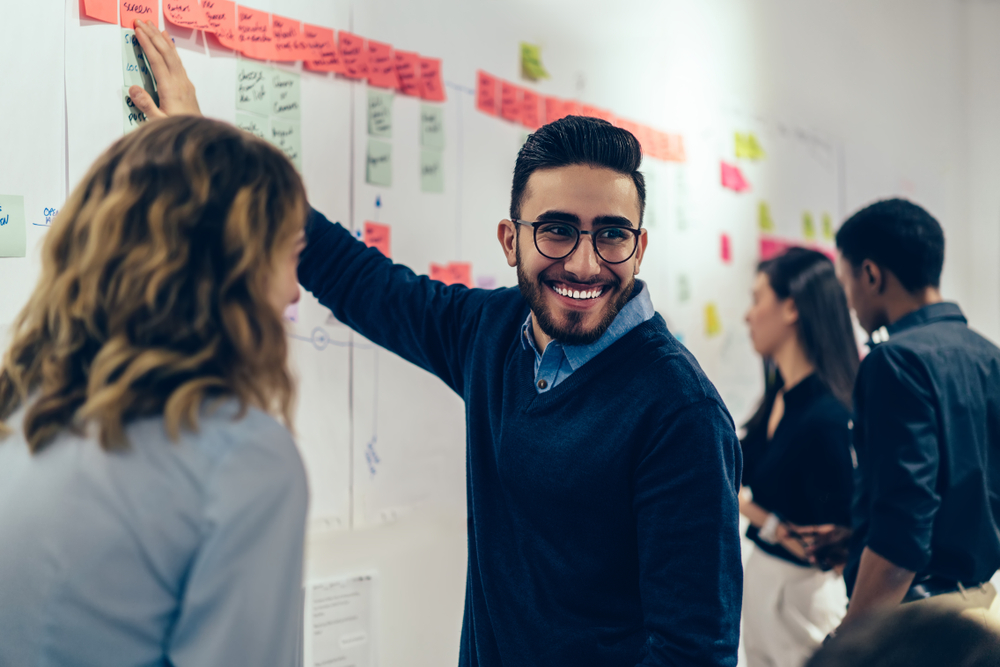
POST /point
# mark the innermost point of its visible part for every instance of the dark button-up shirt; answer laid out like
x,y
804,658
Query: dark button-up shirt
x,y
927,437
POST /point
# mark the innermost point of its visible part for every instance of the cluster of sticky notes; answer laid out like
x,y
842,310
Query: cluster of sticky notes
x,y
748,147
431,148
808,226
378,167
713,323
453,273
269,105
378,235
13,235
732,178
135,72
517,104
764,220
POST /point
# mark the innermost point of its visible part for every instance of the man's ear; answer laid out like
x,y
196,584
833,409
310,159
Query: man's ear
x,y
507,235
872,276
640,251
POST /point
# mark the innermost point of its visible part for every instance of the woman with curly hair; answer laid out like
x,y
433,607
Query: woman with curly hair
x,y
152,501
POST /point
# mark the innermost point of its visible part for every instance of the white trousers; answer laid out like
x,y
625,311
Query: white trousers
x,y
787,610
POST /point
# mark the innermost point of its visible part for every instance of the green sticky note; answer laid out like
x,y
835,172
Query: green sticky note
x,y
254,124
431,170
808,226
379,113
431,126
827,227
135,68
748,146
287,135
683,288
13,239
379,167
286,95
764,220
133,118
531,62
253,87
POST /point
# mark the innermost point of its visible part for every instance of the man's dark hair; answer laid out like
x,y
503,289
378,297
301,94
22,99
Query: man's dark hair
x,y
899,236
578,140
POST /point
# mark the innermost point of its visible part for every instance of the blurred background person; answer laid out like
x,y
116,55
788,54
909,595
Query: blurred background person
x,y
797,456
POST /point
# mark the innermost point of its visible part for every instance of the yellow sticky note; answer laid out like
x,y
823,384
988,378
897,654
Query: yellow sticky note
x,y
764,220
531,62
713,325
827,227
808,227
748,146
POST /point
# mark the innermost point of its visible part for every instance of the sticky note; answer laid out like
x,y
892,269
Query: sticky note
x,y
287,135
808,226
408,73
325,54
221,15
732,178
431,126
748,146
713,325
134,68
765,222
147,10
556,108
828,234
531,110
645,135
255,125
683,288
289,41
486,92
431,170
286,94
453,273
531,62
253,87
597,112
354,55
187,14
13,237
430,78
378,170
672,149
382,65
254,37
377,235
486,282
133,118
380,113
772,247
510,102
101,10
725,249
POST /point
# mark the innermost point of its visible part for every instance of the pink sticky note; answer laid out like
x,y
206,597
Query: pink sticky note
x,y
354,55
378,236
772,246
510,102
453,273
324,55
486,282
430,78
408,73
254,37
645,134
628,126
147,10
101,10
290,44
221,15
553,109
531,112
486,92
292,312
186,14
597,112
725,249
732,178
382,65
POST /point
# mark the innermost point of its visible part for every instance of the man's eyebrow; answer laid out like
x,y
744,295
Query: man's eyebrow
x,y
617,220
601,220
559,216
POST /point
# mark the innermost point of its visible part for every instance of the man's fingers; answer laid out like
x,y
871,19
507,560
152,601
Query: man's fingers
x,y
149,47
144,103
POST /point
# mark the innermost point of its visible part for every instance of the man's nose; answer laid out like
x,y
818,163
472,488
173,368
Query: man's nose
x,y
584,262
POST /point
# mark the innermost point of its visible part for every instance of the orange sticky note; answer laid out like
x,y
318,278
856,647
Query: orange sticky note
x,y
185,14
408,72
324,55
453,273
597,112
531,113
382,65
556,108
377,236
147,10
645,135
221,15
101,10
289,42
486,93
732,178
254,37
510,102
430,79
354,55
673,148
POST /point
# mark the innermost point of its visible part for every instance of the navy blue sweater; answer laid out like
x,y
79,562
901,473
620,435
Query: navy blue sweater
x,y
603,517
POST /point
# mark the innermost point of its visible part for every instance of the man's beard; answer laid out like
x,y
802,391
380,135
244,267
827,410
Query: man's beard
x,y
572,332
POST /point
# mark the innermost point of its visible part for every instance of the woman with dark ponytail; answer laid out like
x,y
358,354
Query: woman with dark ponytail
x,y
797,456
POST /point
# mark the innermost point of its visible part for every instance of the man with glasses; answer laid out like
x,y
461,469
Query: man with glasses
x,y
602,466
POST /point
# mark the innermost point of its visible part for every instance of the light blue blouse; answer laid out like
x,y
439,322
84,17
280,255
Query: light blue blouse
x,y
167,553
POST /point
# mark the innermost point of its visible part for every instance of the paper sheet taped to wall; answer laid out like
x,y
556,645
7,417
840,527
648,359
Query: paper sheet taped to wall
x,y
339,622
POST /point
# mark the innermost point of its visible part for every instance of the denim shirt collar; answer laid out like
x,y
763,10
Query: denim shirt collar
x,y
935,312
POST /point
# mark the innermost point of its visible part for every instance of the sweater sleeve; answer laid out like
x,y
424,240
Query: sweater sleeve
x,y
687,518
424,321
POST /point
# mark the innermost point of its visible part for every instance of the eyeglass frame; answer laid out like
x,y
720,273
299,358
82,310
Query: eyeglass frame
x,y
580,232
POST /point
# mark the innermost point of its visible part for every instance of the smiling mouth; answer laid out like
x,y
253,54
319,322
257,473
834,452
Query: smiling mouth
x,y
564,290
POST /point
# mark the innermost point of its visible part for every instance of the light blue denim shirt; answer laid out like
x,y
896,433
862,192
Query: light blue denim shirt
x,y
559,361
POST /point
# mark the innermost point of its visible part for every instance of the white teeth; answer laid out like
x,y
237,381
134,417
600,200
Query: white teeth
x,y
576,294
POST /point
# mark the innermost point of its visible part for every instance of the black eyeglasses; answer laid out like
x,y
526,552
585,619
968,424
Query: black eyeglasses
x,y
558,240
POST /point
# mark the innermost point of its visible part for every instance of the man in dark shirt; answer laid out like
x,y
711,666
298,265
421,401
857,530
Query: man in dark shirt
x,y
927,421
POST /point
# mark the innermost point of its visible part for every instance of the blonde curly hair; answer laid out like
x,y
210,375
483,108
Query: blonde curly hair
x,y
154,287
